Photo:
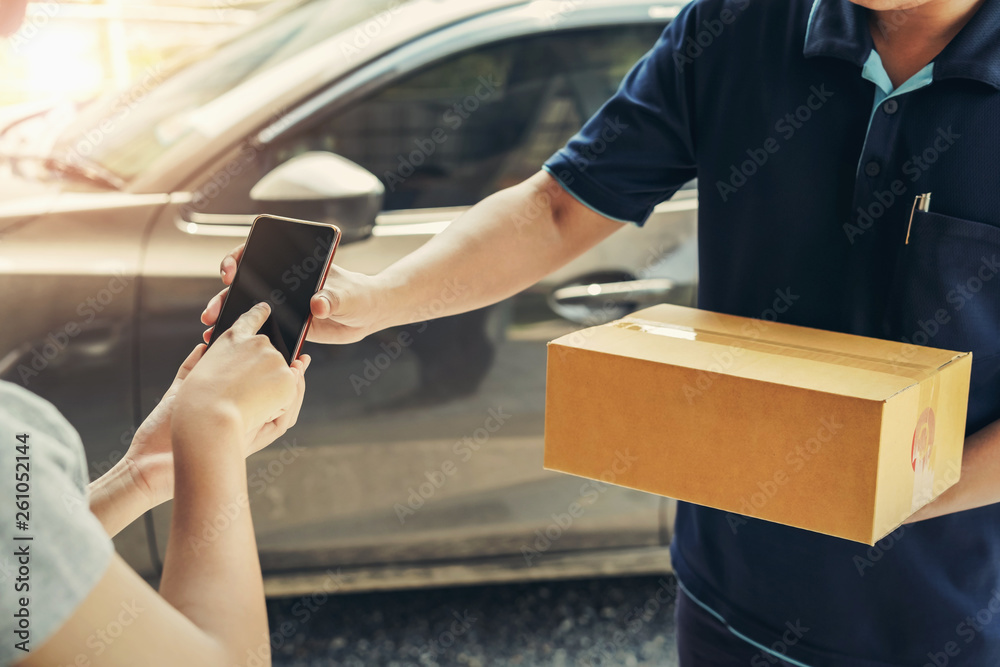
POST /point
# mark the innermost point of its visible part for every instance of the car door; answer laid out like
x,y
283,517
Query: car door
x,y
424,442
68,274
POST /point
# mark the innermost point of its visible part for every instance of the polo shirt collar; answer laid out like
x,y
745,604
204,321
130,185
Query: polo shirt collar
x,y
839,29
975,52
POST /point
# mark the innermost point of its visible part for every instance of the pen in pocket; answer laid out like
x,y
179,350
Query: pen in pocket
x,y
920,203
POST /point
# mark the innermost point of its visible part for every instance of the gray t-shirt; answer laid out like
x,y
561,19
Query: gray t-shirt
x,y
68,551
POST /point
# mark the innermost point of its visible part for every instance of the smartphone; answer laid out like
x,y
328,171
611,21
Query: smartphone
x,y
284,263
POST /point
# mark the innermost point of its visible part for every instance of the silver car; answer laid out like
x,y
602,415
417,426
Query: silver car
x,y
417,459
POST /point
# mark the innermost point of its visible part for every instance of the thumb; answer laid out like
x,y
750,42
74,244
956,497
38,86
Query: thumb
x,y
326,303
196,354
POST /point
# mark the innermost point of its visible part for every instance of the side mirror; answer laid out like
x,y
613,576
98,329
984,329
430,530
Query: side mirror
x,y
323,187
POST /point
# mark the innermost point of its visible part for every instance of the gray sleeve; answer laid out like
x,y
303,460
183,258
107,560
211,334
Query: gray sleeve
x,y
49,567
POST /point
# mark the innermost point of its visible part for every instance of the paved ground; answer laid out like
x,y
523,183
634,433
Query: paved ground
x,y
592,622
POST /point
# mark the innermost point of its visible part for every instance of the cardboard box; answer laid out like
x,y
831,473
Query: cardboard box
x,y
839,434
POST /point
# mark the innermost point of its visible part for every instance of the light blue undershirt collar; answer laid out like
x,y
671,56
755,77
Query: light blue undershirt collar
x,y
874,71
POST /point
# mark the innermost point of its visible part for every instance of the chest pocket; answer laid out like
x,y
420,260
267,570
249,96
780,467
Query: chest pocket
x,y
945,293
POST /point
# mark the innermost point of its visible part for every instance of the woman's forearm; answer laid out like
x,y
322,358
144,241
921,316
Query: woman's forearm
x,y
211,572
117,498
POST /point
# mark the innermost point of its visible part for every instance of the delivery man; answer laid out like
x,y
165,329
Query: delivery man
x,y
812,128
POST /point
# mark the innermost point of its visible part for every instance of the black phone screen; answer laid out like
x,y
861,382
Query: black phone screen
x,y
283,263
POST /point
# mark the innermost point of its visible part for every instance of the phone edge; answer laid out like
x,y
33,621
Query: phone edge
x,y
319,284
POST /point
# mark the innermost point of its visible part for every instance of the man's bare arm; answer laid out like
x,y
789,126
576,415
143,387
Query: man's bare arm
x,y
499,247
979,484
504,245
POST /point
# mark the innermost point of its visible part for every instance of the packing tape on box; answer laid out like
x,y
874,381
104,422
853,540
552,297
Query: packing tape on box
x,y
900,368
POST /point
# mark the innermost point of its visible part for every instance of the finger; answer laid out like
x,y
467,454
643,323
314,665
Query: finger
x,y
227,269
250,322
211,313
196,354
302,363
291,414
324,303
207,335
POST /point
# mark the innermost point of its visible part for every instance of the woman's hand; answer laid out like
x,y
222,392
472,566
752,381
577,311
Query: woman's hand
x,y
150,456
244,382
259,438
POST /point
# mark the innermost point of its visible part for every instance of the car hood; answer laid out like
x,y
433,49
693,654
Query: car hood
x,y
22,201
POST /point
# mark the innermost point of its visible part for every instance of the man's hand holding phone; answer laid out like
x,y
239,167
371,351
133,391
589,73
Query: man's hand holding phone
x,y
344,311
284,262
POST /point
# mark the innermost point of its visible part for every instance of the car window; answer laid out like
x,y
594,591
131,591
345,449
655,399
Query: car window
x,y
167,102
463,128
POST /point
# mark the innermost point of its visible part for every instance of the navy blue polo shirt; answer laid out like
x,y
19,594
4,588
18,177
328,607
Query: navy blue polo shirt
x,y
808,162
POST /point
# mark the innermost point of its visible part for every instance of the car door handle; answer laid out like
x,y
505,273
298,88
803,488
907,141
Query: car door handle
x,y
633,293
596,303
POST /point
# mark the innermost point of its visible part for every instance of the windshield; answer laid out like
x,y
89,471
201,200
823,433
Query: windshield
x,y
126,132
